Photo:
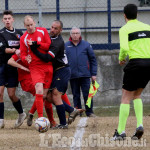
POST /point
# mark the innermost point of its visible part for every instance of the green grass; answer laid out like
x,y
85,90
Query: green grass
x,y
102,111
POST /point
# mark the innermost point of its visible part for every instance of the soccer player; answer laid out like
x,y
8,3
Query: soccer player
x,y
41,72
61,74
24,77
9,43
134,42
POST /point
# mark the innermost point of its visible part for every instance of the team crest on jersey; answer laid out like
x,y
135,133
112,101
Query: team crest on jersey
x,y
39,39
18,36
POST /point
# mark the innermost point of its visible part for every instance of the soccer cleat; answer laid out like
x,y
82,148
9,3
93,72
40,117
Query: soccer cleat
x,y
20,120
118,136
74,114
138,133
2,123
60,126
53,124
29,119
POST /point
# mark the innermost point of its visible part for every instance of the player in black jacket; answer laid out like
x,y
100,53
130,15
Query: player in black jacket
x,y
61,75
9,43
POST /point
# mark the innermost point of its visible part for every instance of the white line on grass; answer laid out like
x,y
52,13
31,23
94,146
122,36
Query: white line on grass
x,y
77,143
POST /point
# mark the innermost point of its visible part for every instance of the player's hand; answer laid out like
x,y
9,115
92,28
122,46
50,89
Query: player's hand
x,y
17,52
93,79
122,62
28,59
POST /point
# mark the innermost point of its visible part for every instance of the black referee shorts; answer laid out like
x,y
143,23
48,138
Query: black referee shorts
x,y
136,74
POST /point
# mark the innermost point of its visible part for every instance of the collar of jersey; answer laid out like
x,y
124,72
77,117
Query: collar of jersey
x,y
10,31
134,20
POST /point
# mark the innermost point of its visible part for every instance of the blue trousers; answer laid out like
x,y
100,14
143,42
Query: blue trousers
x,y
78,85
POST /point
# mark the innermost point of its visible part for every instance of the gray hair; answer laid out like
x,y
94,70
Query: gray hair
x,y
73,28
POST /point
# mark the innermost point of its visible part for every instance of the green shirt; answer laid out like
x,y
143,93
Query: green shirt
x,y
134,40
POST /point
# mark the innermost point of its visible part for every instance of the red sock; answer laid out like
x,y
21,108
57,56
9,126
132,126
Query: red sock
x,y
33,108
49,110
39,104
65,99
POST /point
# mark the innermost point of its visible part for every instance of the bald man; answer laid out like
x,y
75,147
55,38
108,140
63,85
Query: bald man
x,y
41,72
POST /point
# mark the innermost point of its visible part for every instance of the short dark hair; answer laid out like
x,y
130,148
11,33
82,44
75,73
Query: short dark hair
x,y
130,10
7,12
60,22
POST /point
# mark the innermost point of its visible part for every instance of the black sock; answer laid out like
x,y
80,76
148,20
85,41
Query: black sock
x,y
68,108
61,114
18,106
2,110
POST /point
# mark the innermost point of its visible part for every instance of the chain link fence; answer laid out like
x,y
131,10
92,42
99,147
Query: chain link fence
x,y
99,20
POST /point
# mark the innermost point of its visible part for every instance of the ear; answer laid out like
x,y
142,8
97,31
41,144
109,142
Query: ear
x,y
125,16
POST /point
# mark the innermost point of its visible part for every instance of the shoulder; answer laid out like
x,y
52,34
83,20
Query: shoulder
x,y
2,30
68,43
41,28
86,43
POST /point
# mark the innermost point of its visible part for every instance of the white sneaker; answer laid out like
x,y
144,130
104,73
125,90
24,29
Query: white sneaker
x,y
2,123
20,119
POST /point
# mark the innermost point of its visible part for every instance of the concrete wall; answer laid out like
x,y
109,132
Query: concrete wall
x,y
109,77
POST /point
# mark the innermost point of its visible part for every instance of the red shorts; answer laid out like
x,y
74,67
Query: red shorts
x,y
42,74
27,86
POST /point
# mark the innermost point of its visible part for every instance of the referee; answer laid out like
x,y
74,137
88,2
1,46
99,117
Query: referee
x,y
135,43
9,43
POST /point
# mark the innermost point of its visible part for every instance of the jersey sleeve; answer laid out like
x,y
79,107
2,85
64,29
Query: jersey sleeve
x,y
45,45
15,57
124,47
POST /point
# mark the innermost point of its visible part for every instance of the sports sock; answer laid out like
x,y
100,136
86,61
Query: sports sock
x,y
138,108
2,110
33,108
18,106
49,110
123,115
61,114
68,108
65,99
39,104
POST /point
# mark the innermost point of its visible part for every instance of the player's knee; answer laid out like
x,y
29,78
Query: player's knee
x,y
11,96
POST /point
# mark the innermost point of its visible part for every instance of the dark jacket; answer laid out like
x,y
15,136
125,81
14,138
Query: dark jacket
x,y
81,59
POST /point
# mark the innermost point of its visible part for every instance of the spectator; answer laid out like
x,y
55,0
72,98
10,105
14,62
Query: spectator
x,y
83,66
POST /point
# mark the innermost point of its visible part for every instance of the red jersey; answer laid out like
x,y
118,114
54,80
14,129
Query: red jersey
x,y
42,37
22,75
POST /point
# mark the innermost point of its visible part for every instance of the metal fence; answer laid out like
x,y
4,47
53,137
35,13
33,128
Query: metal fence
x,y
99,20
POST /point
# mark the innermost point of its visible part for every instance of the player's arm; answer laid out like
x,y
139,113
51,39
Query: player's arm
x,y
13,63
93,62
124,47
3,46
46,57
